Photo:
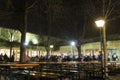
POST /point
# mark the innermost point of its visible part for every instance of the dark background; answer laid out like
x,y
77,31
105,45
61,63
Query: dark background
x,y
60,18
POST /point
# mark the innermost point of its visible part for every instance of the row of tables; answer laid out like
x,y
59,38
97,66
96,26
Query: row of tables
x,y
28,66
11,66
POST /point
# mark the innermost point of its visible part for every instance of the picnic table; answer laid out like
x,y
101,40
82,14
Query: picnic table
x,y
22,66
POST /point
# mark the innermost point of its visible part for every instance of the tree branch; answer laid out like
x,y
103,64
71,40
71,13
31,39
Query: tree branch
x,y
31,5
114,18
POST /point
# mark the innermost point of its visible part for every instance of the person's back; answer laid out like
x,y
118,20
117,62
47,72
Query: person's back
x,y
12,58
6,58
27,58
114,57
0,58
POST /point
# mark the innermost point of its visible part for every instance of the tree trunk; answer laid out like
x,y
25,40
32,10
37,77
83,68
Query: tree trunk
x,y
11,48
23,37
48,52
79,52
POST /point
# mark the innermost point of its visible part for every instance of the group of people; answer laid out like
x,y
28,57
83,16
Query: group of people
x,y
37,58
5,58
42,58
60,58
113,57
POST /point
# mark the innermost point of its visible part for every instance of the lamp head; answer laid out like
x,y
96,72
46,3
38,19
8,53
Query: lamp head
x,y
100,23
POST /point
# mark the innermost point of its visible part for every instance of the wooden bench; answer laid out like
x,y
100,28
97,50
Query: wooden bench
x,y
45,75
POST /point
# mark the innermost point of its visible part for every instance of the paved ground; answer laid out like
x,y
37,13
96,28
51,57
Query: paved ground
x,y
115,77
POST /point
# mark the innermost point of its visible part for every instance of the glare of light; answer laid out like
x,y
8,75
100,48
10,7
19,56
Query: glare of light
x,y
26,43
100,23
35,41
73,43
51,46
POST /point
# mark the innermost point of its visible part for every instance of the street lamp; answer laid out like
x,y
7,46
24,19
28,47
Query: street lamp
x,y
101,24
73,44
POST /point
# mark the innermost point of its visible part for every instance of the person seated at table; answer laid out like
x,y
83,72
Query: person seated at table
x,y
27,58
12,58
59,59
114,57
6,58
1,57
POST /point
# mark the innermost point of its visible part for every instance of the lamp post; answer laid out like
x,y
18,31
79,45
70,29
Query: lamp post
x,y
73,44
101,24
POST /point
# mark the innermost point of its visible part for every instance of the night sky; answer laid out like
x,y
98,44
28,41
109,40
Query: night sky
x,y
60,18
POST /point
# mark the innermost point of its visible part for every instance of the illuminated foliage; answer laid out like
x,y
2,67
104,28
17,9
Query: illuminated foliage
x,y
10,35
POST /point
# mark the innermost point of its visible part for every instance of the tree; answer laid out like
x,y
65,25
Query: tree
x,y
6,9
75,23
10,36
79,18
21,8
51,10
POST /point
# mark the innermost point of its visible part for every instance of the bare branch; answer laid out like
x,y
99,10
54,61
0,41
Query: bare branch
x,y
109,9
8,10
32,5
114,18
84,28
